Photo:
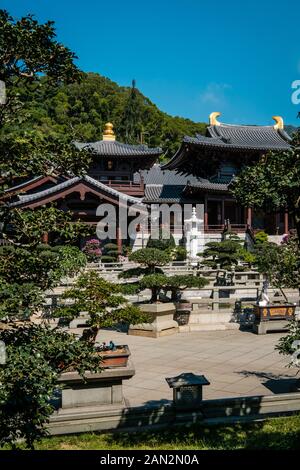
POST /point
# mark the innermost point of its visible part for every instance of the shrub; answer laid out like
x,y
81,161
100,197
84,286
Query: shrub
x,y
260,237
180,253
165,242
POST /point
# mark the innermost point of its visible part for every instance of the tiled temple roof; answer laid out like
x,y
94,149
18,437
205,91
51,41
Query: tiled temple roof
x,y
28,198
233,138
171,186
118,149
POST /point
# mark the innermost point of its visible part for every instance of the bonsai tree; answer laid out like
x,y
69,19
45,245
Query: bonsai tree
x,y
280,263
289,345
102,301
178,283
150,259
150,275
225,254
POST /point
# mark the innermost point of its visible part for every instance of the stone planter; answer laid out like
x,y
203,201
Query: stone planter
x,y
162,321
272,317
104,388
118,358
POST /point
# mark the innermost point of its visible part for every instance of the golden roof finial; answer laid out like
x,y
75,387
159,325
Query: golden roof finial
x,y
213,118
108,133
279,122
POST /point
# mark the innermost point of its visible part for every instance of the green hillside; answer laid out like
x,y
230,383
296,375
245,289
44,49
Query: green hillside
x,y
79,112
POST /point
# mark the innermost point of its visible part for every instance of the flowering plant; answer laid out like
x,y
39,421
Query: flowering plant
x,y
92,249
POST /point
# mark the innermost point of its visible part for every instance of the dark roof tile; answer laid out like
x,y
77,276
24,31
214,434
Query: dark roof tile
x,y
118,149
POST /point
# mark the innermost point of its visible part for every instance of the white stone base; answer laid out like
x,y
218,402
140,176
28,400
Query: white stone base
x,y
200,321
162,324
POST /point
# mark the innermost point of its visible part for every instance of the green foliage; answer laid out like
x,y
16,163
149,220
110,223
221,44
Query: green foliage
x,y
35,356
164,242
110,253
177,283
42,265
226,253
153,277
151,258
179,253
155,283
79,111
287,346
280,433
260,237
102,300
35,353
280,263
30,225
247,257
24,265
71,260
19,301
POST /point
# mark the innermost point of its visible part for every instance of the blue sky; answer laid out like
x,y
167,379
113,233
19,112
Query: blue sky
x,y
190,57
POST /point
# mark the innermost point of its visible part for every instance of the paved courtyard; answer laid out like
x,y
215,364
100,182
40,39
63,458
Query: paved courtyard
x,y
235,362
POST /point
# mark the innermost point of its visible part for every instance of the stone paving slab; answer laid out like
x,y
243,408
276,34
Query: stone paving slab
x,y
236,363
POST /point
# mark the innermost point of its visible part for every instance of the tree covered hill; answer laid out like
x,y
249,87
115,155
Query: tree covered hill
x,y
80,110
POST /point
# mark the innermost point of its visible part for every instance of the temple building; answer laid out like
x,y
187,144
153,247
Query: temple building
x,y
203,167
199,173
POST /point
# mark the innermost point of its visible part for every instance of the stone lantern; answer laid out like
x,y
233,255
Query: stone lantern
x,y
194,235
187,390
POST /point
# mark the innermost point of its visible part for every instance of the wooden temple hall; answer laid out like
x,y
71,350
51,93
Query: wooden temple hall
x,y
199,173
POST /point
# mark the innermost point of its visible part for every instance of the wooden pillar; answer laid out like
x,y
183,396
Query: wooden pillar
x,y
205,214
249,216
222,212
286,222
119,240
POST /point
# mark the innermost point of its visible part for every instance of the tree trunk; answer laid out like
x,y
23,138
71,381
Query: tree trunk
x,y
154,291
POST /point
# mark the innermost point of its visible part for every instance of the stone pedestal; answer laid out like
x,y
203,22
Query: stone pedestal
x,y
162,323
263,327
104,388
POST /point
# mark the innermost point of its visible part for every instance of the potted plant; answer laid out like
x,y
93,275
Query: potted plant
x,y
106,307
102,301
113,355
280,266
150,276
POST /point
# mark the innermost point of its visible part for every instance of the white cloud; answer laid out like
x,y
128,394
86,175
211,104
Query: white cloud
x,y
215,93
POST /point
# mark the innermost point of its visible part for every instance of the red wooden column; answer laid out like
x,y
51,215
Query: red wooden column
x,y
205,214
249,216
286,222
119,240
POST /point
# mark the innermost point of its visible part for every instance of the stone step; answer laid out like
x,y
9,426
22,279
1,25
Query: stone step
x,y
202,327
208,327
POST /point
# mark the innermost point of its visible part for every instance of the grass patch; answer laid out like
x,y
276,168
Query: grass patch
x,y
276,433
